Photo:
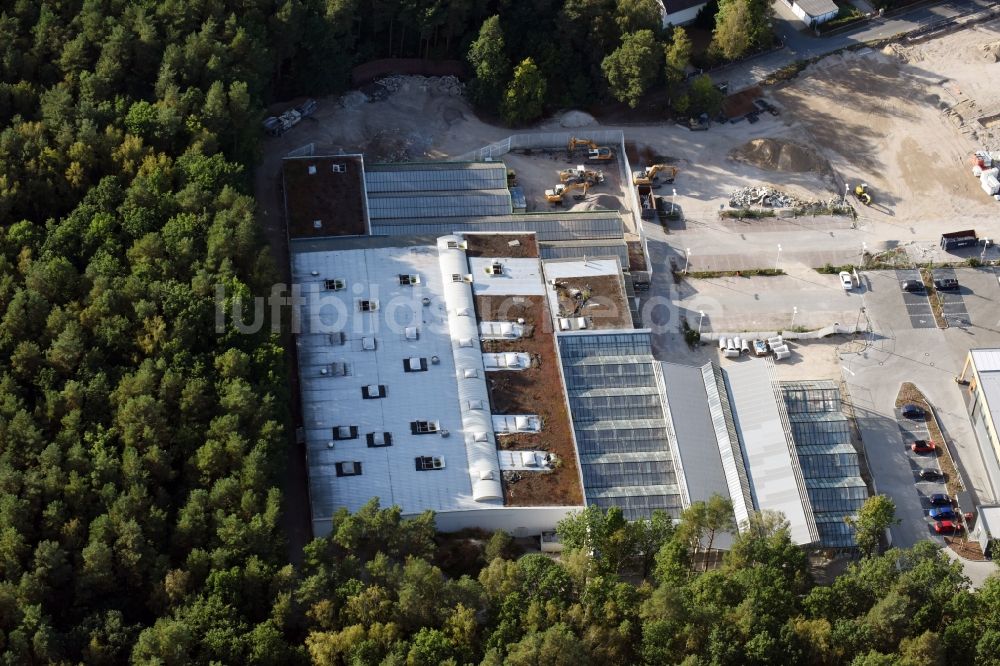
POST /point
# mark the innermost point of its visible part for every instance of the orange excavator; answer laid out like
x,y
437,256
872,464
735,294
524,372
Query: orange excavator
x,y
594,152
556,194
651,175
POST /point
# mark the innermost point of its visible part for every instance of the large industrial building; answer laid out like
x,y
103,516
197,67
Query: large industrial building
x,y
486,364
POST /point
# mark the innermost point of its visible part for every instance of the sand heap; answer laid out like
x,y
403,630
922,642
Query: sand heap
x,y
778,155
991,51
576,119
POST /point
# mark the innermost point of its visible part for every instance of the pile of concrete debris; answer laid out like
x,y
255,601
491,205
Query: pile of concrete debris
x,y
762,196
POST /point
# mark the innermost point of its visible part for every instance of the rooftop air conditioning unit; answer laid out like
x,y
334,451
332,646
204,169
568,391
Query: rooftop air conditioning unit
x,y
444,433
426,301
435,360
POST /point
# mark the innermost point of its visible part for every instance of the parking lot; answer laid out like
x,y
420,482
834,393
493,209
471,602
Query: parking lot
x,y
913,430
952,301
917,303
902,349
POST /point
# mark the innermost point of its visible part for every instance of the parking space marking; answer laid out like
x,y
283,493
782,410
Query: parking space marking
x,y
952,304
918,305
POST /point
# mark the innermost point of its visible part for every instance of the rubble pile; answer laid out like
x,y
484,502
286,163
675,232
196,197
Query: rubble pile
x,y
762,196
768,197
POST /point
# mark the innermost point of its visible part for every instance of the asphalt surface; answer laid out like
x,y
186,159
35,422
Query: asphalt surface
x,y
804,45
917,303
953,307
930,358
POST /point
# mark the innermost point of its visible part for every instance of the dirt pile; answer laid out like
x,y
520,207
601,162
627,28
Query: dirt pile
x,y
778,155
990,51
576,119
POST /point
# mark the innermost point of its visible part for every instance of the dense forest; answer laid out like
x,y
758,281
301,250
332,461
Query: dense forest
x,y
140,448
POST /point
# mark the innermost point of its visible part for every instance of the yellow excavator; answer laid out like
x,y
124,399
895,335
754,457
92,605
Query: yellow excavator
x,y
594,152
861,194
651,175
579,174
556,194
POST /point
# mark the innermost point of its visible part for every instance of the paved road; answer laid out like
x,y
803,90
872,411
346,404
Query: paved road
x,y
802,45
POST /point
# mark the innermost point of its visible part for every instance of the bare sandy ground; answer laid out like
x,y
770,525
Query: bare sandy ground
x,y
904,120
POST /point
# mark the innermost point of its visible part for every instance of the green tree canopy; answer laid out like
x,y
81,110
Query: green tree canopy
x,y
524,99
633,67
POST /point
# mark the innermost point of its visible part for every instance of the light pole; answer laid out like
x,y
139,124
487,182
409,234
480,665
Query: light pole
x,y
778,259
795,311
672,201
986,244
700,319
687,260
847,188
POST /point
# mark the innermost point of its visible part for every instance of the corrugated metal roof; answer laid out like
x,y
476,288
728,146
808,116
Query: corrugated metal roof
x,y
548,226
816,8
697,444
585,249
767,447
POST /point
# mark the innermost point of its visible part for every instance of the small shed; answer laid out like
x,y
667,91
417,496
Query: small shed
x,y
987,529
814,12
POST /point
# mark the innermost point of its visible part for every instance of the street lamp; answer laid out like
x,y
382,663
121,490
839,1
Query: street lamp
x,y
795,311
672,201
700,319
779,257
847,188
986,244
687,260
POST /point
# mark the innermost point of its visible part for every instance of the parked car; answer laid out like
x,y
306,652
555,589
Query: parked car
x,y
940,499
846,281
946,284
930,475
922,446
942,513
911,411
911,285
947,527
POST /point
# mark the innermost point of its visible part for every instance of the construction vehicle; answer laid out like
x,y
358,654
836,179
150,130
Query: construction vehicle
x,y
651,175
861,194
278,125
580,174
594,152
556,194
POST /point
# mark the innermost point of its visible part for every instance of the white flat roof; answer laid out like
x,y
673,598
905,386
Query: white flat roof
x,y
388,473
767,447
520,277
990,518
555,270
986,360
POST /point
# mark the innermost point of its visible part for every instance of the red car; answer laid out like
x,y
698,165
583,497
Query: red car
x,y
946,527
923,446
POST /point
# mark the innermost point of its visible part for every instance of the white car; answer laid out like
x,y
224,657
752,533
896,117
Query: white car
x,y
845,281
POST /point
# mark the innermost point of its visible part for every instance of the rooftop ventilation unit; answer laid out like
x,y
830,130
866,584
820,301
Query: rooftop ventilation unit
x,y
331,444
311,169
494,269
317,224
